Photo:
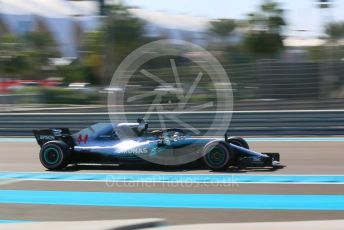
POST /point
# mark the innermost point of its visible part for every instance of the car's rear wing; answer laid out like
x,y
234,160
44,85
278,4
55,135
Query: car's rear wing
x,y
44,135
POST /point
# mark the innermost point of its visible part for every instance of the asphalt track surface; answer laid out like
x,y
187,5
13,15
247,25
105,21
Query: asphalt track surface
x,y
36,200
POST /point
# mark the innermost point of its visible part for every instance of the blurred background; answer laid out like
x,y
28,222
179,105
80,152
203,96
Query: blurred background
x,y
60,55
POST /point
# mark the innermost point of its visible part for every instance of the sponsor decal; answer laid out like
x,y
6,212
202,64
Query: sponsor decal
x,y
82,139
136,151
46,137
57,132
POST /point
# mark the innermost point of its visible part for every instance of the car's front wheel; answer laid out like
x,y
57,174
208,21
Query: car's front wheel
x,y
238,141
54,155
217,157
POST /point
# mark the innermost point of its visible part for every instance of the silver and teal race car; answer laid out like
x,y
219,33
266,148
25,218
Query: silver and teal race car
x,y
123,143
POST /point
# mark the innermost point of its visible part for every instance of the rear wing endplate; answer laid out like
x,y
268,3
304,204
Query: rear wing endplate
x,y
44,135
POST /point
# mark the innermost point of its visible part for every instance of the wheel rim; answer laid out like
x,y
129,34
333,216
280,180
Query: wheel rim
x,y
217,157
51,155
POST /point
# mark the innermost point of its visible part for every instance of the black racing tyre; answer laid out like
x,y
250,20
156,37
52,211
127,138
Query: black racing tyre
x,y
238,141
217,156
54,155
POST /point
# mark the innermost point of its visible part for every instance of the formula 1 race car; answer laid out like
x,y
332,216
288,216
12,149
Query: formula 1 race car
x,y
122,143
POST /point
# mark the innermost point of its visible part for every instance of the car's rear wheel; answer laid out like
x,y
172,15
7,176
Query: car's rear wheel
x,y
238,141
217,157
54,155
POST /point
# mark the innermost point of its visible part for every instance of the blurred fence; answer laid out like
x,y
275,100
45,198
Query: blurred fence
x,y
243,123
264,85
287,80
256,85
269,80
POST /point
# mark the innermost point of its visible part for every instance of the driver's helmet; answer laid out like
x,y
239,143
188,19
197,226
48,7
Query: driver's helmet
x,y
142,126
175,136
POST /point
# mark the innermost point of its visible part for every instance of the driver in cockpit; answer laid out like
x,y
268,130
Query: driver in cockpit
x,y
142,127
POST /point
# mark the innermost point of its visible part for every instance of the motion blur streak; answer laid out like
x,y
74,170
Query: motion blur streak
x,y
12,221
250,139
163,200
176,178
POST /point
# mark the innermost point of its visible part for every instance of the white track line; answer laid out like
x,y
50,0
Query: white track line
x,y
8,181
